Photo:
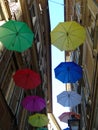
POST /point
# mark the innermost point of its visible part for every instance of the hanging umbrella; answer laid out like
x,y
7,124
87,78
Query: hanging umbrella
x,y
67,128
38,120
16,36
33,103
68,72
42,128
69,98
67,115
68,35
27,78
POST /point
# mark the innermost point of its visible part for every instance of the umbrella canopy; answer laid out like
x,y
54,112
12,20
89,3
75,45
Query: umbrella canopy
x,y
66,129
69,98
68,35
38,120
27,78
16,36
68,72
33,103
67,115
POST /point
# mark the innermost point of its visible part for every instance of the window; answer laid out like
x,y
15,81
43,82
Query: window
x,y
32,13
91,24
1,14
15,9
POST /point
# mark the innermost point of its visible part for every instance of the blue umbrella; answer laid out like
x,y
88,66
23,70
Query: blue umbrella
x,y
66,129
69,98
68,72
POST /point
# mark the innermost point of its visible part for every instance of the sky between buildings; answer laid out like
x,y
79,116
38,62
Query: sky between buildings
x,y
56,8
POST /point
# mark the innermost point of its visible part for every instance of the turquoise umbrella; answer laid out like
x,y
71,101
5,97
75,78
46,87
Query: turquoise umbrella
x,y
16,36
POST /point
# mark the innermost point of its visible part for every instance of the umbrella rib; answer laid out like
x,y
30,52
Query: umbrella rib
x,y
26,39
7,35
64,28
75,35
70,42
16,28
69,97
71,33
20,30
7,28
20,37
59,36
13,42
77,29
67,37
76,99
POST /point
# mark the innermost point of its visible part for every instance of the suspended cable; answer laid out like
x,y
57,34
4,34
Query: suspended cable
x,y
61,4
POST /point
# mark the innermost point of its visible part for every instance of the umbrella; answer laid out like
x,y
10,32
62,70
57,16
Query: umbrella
x,y
66,129
27,78
67,115
69,98
33,103
38,120
42,128
68,35
16,35
68,72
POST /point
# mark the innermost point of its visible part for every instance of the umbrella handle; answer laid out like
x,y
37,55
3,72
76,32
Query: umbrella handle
x,y
66,87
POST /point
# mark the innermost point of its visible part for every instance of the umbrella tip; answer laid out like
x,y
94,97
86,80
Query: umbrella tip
x,y
67,33
17,33
68,95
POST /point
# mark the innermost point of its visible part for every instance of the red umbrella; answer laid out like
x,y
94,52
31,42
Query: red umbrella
x,y
33,103
27,79
67,115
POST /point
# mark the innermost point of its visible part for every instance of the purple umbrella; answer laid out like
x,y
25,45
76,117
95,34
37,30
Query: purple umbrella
x,y
33,103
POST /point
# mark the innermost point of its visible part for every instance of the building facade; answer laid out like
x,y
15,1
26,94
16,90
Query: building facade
x,y
38,58
86,13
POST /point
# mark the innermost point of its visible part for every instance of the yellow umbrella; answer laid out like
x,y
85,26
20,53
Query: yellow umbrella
x,y
68,35
38,120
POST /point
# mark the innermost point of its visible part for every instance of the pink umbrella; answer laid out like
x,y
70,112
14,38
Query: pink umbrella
x,y
67,115
33,103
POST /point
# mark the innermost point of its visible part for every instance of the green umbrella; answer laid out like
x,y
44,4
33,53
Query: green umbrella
x,y
38,120
16,36
68,35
